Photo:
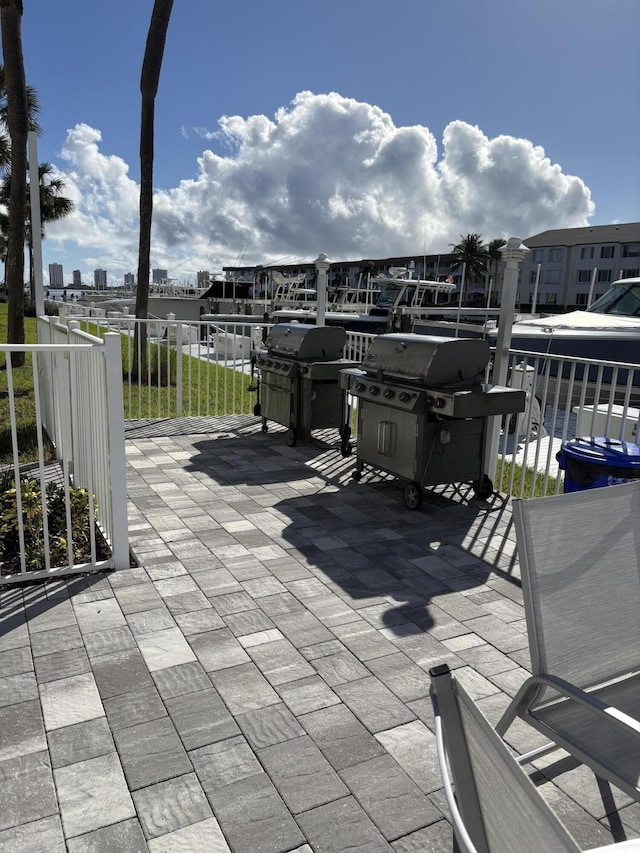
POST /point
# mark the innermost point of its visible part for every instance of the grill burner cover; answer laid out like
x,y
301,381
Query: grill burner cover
x,y
306,342
427,359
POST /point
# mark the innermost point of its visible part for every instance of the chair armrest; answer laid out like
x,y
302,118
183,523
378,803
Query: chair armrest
x,y
596,706
459,827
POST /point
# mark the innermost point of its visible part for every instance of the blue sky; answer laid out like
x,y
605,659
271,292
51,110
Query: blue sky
x,y
353,127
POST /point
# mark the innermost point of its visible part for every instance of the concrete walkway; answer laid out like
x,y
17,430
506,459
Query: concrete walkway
x,y
259,682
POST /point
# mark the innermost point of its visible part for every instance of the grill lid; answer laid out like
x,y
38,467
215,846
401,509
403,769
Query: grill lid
x,y
427,359
306,342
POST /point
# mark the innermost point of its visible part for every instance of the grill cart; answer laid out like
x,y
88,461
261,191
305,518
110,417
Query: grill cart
x,y
298,373
423,410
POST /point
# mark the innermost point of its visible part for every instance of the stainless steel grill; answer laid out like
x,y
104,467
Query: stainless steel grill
x,y
298,373
423,410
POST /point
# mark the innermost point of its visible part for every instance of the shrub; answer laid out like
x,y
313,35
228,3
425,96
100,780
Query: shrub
x,y
32,519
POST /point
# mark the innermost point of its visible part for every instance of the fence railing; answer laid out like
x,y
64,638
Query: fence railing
x,y
185,369
566,398
201,368
70,510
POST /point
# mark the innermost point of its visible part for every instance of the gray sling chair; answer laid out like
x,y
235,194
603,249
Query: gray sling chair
x,y
495,808
579,557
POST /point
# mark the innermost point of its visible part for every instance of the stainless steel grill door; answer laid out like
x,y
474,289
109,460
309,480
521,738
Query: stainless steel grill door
x,y
387,438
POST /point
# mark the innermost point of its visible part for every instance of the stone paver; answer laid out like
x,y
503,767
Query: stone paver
x,y
259,681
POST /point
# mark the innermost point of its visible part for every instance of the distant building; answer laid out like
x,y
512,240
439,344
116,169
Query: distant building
x,y
159,276
346,273
129,280
202,278
77,278
100,279
569,264
56,275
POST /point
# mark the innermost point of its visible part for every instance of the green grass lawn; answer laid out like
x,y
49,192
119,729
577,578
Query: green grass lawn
x,y
208,389
22,378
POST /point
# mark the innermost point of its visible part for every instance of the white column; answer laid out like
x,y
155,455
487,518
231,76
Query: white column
x,y
117,460
36,224
322,264
592,285
534,301
513,252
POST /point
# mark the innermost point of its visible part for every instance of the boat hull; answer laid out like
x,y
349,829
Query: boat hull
x,y
613,371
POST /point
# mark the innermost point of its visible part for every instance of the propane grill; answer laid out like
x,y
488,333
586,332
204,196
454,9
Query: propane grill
x,y
423,410
298,373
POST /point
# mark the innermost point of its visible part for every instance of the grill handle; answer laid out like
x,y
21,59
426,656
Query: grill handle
x,y
404,377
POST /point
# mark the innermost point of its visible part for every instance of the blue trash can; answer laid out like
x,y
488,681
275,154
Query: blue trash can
x,y
591,462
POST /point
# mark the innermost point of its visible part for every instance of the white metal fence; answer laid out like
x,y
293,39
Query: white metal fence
x,y
205,369
213,376
69,514
566,398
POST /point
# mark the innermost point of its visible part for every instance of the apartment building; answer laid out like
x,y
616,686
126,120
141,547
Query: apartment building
x,y
100,279
571,267
56,275
566,268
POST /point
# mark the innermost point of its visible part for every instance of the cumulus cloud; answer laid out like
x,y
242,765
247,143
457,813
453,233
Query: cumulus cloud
x,y
326,173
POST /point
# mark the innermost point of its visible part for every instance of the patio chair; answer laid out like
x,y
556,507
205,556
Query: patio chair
x,y
495,808
579,561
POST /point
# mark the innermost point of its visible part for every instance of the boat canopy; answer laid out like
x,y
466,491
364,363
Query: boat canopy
x,y
587,320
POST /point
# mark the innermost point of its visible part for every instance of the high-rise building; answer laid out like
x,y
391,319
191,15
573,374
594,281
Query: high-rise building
x,y
129,280
159,276
202,278
77,278
100,279
56,275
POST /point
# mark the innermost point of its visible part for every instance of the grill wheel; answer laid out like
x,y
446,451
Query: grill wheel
x,y
292,437
483,488
412,495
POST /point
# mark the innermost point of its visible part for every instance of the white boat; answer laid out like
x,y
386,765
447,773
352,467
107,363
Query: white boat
x,y
234,342
607,331
383,294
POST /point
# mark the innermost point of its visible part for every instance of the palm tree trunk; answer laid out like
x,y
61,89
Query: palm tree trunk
x,y
149,79
17,120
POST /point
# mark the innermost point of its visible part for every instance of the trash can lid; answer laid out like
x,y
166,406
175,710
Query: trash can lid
x,y
600,450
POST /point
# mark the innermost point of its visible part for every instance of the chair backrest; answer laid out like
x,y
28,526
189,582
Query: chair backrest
x,y
578,555
497,808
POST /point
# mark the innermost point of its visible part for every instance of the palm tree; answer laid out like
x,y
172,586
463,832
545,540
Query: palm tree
x,y
53,205
471,254
149,79
33,110
17,118
495,259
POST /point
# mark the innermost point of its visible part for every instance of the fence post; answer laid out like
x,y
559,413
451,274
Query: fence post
x,y
513,253
178,366
115,426
322,264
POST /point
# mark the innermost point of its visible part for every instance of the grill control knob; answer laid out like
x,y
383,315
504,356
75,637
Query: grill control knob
x,y
389,393
360,386
404,397
374,390
430,400
439,402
